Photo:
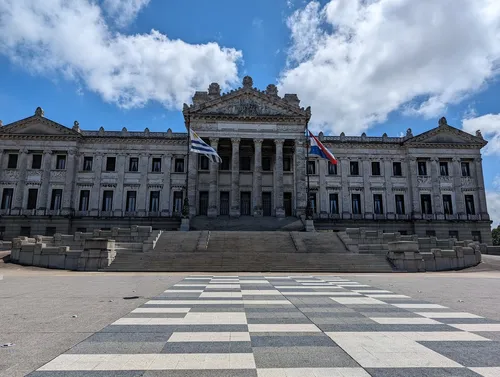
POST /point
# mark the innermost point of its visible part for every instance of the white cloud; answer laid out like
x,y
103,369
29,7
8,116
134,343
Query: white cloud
x,y
124,11
493,202
489,125
72,38
356,61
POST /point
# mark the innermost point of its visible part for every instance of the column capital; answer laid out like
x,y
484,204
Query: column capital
x,y
235,140
24,150
456,159
72,151
214,140
279,141
434,159
478,159
258,141
48,151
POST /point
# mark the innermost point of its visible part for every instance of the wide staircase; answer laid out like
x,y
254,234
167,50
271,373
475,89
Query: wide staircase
x,y
240,251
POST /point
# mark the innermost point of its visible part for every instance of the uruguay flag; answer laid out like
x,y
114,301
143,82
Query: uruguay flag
x,y
199,146
318,149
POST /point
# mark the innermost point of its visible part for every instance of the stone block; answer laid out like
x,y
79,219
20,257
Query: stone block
x,y
185,226
26,257
310,226
403,246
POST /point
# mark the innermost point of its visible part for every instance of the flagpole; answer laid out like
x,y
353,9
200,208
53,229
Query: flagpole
x,y
185,208
308,206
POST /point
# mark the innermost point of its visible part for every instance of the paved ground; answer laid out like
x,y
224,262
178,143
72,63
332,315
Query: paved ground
x,y
249,325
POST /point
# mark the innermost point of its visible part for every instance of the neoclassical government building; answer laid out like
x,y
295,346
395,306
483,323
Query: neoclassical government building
x,y
55,178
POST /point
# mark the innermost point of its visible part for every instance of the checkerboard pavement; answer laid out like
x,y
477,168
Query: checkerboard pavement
x,y
285,326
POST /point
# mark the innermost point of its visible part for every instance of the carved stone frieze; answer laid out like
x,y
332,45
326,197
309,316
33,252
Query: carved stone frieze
x,y
424,180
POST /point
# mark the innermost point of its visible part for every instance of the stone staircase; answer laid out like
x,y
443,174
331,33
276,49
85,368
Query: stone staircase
x,y
248,251
246,223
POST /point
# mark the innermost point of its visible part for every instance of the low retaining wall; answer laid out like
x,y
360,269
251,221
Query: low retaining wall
x,y
491,250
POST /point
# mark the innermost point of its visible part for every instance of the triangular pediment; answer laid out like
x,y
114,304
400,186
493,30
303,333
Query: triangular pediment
x,y
247,103
446,135
37,126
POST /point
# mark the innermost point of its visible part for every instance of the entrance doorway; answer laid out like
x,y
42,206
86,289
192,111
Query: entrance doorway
x,y
245,203
266,204
203,205
287,202
224,203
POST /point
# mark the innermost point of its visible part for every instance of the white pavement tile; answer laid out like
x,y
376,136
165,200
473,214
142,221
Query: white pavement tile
x,y
358,301
277,277
198,278
321,294
477,326
404,321
389,350
223,286
419,306
427,336
487,371
332,287
221,295
161,310
254,282
218,302
312,372
260,292
386,295
370,291
448,315
178,337
203,318
352,285
302,327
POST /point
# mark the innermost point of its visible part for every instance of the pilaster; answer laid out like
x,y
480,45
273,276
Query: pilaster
x,y
323,196
44,187
483,208
436,189
165,193
20,185
389,205
235,178
193,183
457,184
300,176
278,179
143,182
119,200
257,179
346,199
69,184
368,195
95,193
214,172
413,189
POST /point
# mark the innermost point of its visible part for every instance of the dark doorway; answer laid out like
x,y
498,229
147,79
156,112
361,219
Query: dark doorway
x,y
245,203
287,202
266,204
224,203
203,207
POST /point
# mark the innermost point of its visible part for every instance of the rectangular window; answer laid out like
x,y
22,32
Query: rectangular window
x,y
312,200
465,169
334,204
50,231
178,197
469,205
422,168
245,163
156,165
130,204
332,168
426,204
443,168
356,204
397,170
476,236
378,207
311,167
453,234
266,163
179,165
400,204
12,163
61,162
107,200
32,197
7,196
36,162
287,164
225,164
56,201
84,200
154,201
375,168
87,163
110,163
25,231
204,163
133,164
447,205
354,168
430,233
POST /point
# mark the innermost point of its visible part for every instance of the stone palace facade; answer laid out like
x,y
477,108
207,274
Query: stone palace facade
x,y
59,179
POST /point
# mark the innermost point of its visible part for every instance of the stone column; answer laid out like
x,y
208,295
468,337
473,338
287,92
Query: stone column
x,y
483,209
436,192
193,183
44,187
21,183
389,205
142,195
257,179
346,198
69,184
367,192
213,189
300,176
118,201
323,195
95,193
165,192
278,179
416,213
235,178
457,188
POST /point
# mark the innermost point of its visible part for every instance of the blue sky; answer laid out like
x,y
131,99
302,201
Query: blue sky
x,y
369,67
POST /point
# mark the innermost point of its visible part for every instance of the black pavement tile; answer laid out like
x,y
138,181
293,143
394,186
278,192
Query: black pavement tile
x,y
384,328
140,337
175,328
469,354
421,372
492,335
466,320
117,347
155,315
207,347
202,373
275,320
320,340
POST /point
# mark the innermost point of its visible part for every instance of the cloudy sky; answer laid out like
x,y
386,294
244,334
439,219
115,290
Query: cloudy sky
x,y
369,66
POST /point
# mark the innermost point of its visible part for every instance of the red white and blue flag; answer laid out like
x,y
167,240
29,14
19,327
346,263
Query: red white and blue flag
x,y
318,149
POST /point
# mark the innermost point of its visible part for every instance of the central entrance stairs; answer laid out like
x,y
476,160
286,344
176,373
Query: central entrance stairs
x,y
249,251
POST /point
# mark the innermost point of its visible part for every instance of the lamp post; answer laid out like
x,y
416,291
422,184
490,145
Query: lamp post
x,y
309,211
185,207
